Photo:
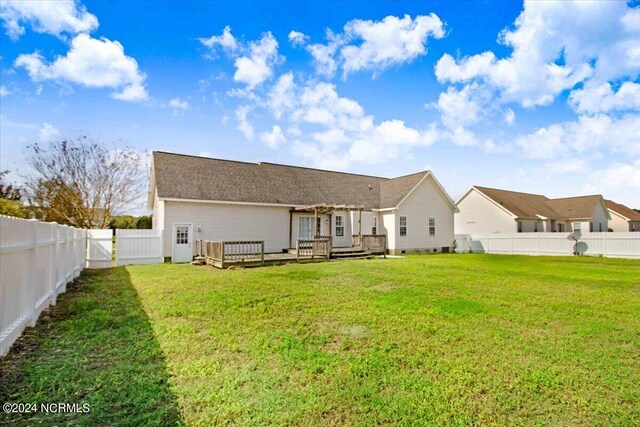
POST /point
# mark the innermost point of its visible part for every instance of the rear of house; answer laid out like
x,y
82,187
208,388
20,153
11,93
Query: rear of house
x,y
484,210
197,198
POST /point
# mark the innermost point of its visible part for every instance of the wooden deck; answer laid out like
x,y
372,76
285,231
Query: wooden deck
x,y
251,253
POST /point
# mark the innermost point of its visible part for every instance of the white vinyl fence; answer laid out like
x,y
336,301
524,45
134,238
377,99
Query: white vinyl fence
x,y
613,245
37,260
138,247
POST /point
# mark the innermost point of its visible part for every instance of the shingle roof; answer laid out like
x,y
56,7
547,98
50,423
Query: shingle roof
x,y
526,205
623,210
200,178
522,205
576,207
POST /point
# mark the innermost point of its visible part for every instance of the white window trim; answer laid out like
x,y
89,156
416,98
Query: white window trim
x,y
405,226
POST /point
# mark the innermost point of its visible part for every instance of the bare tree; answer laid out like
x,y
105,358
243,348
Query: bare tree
x,y
83,183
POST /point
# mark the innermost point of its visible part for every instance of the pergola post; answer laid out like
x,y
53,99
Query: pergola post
x,y
315,223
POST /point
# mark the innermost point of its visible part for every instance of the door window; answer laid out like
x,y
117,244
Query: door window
x,y
182,235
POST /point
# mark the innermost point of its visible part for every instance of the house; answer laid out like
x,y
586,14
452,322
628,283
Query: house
x,y
491,210
623,219
198,198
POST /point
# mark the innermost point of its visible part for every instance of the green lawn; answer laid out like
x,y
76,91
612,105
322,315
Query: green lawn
x,y
426,340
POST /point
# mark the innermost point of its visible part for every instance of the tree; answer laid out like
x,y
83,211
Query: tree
x,y
82,183
9,191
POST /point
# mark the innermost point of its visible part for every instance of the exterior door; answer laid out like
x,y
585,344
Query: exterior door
x,y
305,227
182,246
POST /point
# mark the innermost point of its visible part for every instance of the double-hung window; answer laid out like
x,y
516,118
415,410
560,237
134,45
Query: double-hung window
x,y
339,225
432,226
519,226
374,225
403,226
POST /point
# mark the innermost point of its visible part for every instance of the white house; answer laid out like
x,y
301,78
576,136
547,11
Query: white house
x,y
211,199
483,210
623,219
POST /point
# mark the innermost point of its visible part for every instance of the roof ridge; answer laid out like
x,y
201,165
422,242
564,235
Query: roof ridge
x,y
411,174
510,191
203,157
577,197
321,170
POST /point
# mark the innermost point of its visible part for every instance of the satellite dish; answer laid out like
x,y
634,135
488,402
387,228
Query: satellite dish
x,y
575,236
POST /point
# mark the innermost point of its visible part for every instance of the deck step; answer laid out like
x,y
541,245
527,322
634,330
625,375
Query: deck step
x,y
347,255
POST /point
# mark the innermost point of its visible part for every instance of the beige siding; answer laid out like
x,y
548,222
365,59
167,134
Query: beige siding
x,y
345,240
229,222
479,215
618,223
426,201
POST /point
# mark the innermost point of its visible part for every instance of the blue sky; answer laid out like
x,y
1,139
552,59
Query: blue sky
x,y
540,97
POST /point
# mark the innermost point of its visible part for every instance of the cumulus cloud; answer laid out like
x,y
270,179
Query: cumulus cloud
x,y
179,104
582,136
254,61
48,132
372,45
4,91
98,63
619,181
274,138
603,98
555,45
244,125
51,17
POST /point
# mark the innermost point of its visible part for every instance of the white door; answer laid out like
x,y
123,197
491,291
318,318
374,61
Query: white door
x,y
182,250
305,227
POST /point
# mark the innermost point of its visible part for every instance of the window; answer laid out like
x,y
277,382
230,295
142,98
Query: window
x,y
535,227
576,226
590,227
432,226
599,226
560,228
182,235
403,226
519,226
339,226
318,226
374,225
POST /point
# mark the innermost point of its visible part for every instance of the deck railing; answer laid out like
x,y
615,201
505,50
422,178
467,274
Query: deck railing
x,y
376,242
313,248
226,252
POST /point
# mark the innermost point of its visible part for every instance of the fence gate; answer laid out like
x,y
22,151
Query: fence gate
x,y
99,248
138,247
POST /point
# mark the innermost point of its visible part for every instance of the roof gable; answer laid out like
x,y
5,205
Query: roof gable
x,y
576,207
623,211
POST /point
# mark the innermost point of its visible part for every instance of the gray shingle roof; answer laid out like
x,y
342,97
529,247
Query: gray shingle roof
x,y
623,210
190,177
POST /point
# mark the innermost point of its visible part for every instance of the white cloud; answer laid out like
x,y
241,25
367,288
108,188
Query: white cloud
x,y
226,41
583,136
51,17
555,46
509,116
620,181
179,104
4,91
460,108
603,99
254,62
93,63
274,138
244,125
297,38
372,45
391,41
48,132
282,95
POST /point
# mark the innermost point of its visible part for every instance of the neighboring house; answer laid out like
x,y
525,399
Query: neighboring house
x,y
210,199
490,210
623,218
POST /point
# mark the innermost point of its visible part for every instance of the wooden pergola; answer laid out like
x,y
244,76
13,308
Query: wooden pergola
x,y
324,208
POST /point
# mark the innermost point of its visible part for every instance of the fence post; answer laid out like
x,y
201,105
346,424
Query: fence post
x,y
262,252
31,275
222,255
53,264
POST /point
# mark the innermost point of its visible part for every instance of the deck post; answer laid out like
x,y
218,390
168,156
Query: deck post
x,y
360,227
298,250
222,255
262,253
315,223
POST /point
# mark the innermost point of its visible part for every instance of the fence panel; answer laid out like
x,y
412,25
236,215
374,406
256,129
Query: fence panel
x,y
37,260
614,245
99,248
138,247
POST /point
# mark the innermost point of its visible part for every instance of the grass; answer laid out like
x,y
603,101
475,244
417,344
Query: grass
x,y
426,340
